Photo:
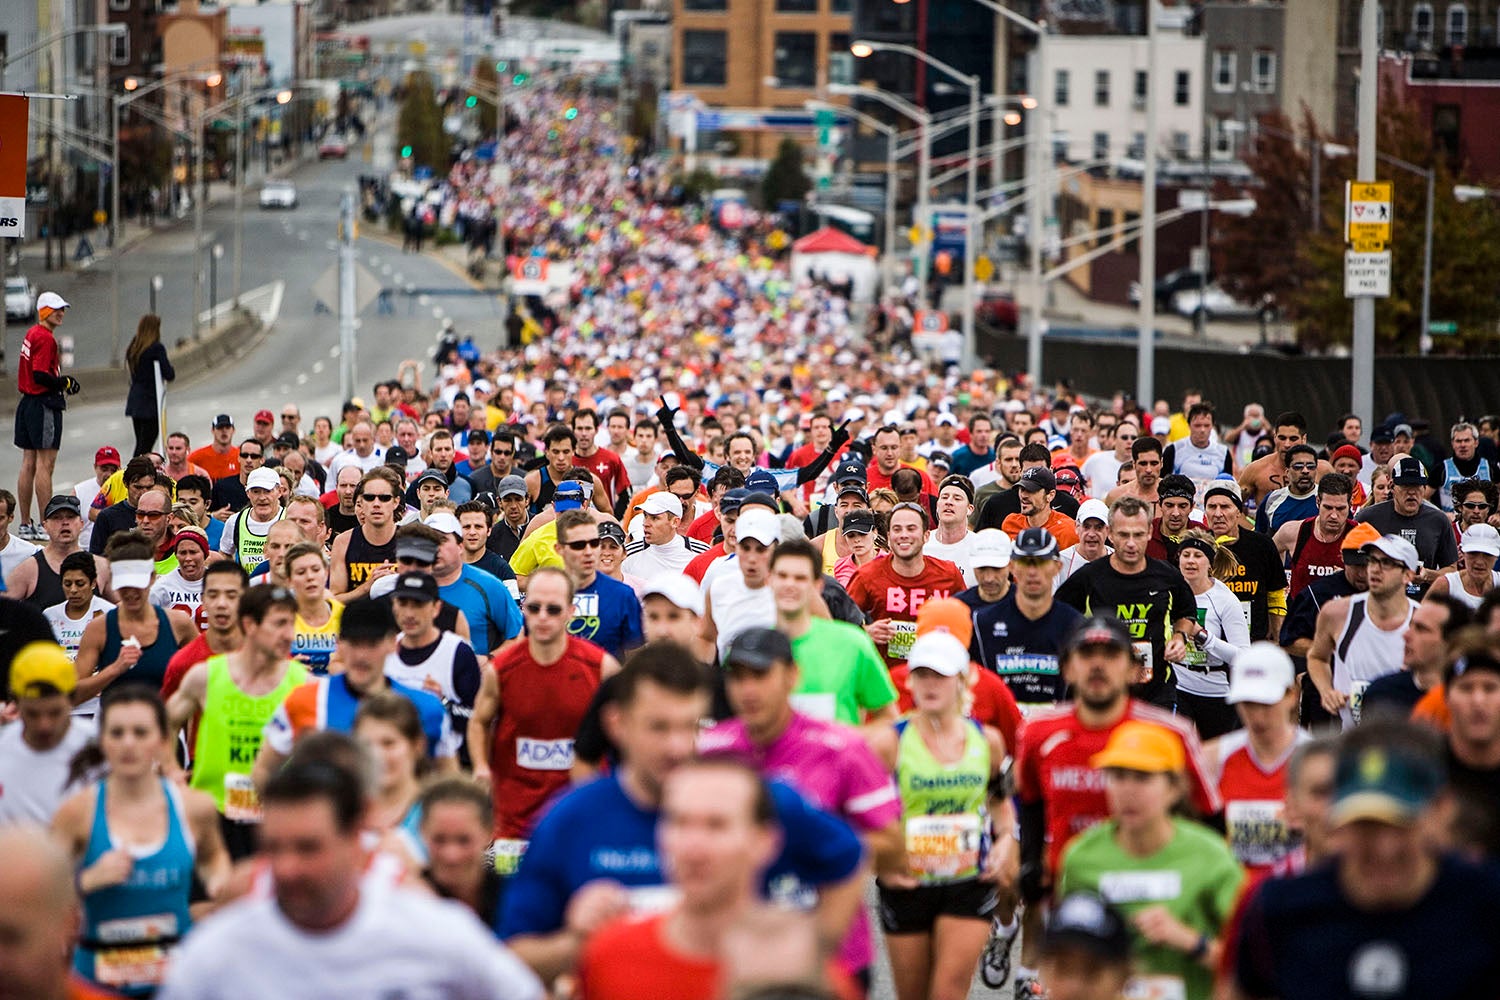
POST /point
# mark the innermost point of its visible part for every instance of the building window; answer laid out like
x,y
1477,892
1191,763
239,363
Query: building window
x,y
1101,88
119,48
1142,85
796,59
841,6
1137,150
1421,24
710,5
1447,123
1458,24
1181,145
1106,222
119,4
1263,71
1224,66
1223,138
1182,91
704,58
796,6
840,59
1132,225
1060,92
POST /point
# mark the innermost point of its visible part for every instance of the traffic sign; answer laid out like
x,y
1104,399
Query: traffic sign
x,y
1367,275
1367,211
932,321
1368,245
983,269
1442,328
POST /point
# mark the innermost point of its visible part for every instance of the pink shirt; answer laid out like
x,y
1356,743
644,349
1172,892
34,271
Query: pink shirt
x,y
835,770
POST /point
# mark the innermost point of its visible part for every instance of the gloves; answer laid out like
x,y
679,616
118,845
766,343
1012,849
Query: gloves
x,y
71,385
840,437
666,414
1032,882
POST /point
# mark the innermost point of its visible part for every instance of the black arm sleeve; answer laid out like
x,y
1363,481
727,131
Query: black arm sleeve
x,y
813,469
1033,823
48,381
684,454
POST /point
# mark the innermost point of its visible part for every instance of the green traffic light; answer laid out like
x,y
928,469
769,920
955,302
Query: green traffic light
x,y
518,79
570,114
501,66
471,101
406,152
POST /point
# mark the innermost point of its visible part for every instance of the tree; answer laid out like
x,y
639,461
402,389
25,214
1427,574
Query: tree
x,y
489,84
420,123
1257,255
785,178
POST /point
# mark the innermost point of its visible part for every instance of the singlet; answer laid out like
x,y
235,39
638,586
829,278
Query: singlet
x,y
362,555
1456,588
943,806
246,545
1198,464
152,666
541,708
172,592
313,645
1254,797
48,590
830,551
1312,559
229,735
69,631
1363,653
736,607
544,491
1452,475
129,928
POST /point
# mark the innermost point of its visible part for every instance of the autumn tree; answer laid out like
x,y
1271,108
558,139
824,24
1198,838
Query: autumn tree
x,y
1257,254
420,123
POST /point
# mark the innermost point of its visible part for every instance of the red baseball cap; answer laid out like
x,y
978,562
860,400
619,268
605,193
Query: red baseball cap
x,y
107,456
264,417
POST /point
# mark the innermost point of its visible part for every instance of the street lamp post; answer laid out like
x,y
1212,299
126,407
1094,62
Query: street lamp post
x,y
889,131
213,284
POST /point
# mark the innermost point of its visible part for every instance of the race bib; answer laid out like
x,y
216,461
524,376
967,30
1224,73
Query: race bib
x,y
1145,657
820,705
1357,691
943,846
241,801
1257,831
544,755
1156,988
1247,612
1140,887
586,605
903,634
130,957
507,856
645,900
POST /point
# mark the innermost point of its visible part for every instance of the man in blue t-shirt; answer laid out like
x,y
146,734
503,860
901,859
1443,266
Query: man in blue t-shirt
x,y
604,832
492,613
606,612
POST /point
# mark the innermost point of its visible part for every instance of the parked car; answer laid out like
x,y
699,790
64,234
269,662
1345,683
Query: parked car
x,y
1216,303
278,194
333,146
999,309
1170,284
20,297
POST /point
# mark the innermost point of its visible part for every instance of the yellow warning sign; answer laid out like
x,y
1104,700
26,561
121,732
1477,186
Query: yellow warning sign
x,y
983,269
1367,212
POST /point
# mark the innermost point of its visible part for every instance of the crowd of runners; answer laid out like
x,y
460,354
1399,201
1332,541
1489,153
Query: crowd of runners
x,y
698,646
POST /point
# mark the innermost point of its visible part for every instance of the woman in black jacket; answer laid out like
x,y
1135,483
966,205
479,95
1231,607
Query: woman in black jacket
x,y
141,357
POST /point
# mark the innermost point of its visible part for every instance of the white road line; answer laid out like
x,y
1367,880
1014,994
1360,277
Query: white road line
x,y
317,367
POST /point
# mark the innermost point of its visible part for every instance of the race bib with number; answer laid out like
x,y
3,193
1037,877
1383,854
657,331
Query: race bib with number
x,y
507,856
1156,988
1357,691
133,952
943,847
1257,831
903,634
544,755
1144,669
241,801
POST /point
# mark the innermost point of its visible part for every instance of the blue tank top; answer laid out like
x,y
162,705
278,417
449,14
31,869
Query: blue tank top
x,y
151,668
129,929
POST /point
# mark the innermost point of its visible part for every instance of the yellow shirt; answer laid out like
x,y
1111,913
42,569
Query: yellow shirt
x,y
536,550
1179,428
313,645
114,488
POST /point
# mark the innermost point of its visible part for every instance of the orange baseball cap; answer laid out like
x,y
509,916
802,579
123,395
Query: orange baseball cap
x,y
947,614
1141,746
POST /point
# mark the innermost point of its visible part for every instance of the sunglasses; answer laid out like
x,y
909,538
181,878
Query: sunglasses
x,y
409,561
1303,467
1475,506
150,515
579,544
251,454
537,608
377,497
503,451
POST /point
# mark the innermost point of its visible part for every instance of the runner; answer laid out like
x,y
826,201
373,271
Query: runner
x,y
1219,636
487,606
457,826
1312,547
1086,950
367,552
738,597
389,728
892,589
1186,877
1424,659
475,518
1093,540
181,588
951,539
606,612
510,525
662,547
1360,638
1260,582
561,445
1199,457
1420,524
602,462
136,840
937,913
316,627
39,413
13,548
1251,764
244,538
1473,768
138,476
1466,462
1102,469
1479,547
1146,469
1174,506
37,750
1264,475
1297,500
80,605
339,506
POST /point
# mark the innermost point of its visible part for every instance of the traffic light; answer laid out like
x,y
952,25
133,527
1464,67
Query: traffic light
x,y
501,66
470,101
570,114
405,152
519,79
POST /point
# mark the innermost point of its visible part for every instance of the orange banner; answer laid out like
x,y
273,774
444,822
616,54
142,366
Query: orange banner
x,y
13,123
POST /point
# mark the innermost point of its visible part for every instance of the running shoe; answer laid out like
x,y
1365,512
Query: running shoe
x,y
994,964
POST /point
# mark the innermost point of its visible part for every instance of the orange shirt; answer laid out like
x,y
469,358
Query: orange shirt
x,y
1059,525
218,466
1433,710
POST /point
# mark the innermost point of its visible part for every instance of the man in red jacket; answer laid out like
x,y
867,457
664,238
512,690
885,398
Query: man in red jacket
x,y
40,409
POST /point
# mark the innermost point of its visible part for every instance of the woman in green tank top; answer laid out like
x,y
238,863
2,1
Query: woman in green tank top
x,y
937,913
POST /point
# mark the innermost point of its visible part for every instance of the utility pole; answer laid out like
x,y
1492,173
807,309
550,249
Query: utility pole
x,y
347,373
1362,393
1145,352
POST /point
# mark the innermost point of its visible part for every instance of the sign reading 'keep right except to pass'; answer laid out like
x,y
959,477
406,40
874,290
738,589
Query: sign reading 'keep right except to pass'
x,y
13,124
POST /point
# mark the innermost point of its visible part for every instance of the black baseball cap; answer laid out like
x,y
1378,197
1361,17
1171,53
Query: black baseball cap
x,y
612,531
731,500
859,522
1176,486
858,489
1099,630
1408,471
763,499
287,439
432,476
223,420
366,619
1086,922
396,455
416,587
849,471
1037,478
759,649
1035,543
1382,435
63,503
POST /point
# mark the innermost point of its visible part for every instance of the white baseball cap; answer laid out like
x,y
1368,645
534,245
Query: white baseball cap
x,y
661,502
759,524
1397,548
263,479
940,652
444,521
990,549
1092,508
1480,538
677,588
1261,674
50,300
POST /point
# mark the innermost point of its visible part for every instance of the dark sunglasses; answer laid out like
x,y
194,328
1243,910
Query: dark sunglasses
x,y
150,515
578,545
536,608
377,497
251,454
1468,505
503,451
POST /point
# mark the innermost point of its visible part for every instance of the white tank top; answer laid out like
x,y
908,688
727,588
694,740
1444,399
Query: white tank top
x,y
1364,653
736,607
1456,588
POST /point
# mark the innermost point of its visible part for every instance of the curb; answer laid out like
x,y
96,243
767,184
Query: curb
x,y
458,270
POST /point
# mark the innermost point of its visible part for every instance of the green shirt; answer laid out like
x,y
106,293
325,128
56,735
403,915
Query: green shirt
x,y
229,735
1196,877
842,672
944,807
